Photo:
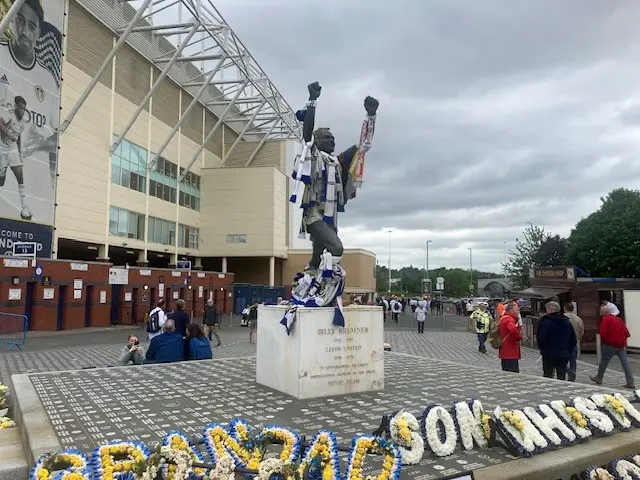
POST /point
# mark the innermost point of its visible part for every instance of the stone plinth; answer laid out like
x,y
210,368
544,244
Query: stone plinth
x,y
318,359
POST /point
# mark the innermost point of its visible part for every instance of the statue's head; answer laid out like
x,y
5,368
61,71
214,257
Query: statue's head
x,y
324,140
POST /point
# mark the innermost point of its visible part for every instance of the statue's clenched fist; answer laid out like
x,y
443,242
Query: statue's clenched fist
x,y
314,90
371,106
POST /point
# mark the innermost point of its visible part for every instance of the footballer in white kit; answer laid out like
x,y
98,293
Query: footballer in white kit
x,y
23,78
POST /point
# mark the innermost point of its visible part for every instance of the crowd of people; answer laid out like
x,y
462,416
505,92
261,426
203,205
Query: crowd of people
x,y
173,337
559,335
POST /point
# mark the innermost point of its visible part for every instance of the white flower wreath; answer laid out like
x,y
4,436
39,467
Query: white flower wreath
x,y
432,417
521,430
225,469
613,407
625,470
572,417
405,433
470,424
597,420
269,467
549,424
631,411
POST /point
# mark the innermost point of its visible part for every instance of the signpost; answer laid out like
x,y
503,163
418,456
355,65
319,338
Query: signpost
x,y
183,265
426,285
440,283
25,250
118,276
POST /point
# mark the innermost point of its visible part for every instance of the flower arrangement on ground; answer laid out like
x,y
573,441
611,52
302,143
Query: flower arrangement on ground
x,y
4,397
598,421
404,431
6,423
613,407
67,465
118,459
624,470
525,437
598,473
321,458
572,417
180,456
545,419
439,430
473,424
363,444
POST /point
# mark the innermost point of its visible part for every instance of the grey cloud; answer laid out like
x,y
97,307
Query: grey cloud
x,y
492,113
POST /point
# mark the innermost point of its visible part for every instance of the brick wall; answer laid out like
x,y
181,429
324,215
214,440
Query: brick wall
x,y
62,306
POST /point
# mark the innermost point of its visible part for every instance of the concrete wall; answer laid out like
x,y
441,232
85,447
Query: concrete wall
x,y
244,201
359,264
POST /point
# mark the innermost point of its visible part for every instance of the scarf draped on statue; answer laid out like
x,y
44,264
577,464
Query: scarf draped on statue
x,y
321,175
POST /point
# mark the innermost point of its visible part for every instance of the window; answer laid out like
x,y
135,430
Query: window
x,y
188,237
129,166
237,238
123,223
190,191
161,231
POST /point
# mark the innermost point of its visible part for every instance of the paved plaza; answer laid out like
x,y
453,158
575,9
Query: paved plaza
x,y
56,351
89,405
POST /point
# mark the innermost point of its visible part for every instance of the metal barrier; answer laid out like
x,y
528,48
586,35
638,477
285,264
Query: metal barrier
x,y
13,329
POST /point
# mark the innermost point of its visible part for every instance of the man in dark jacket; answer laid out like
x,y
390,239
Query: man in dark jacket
x,y
181,318
168,347
556,340
211,321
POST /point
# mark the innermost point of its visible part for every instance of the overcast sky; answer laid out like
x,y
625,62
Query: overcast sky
x,y
493,113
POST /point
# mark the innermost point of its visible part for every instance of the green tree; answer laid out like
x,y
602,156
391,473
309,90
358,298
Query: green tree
x,y
552,251
456,280
522,257
607,242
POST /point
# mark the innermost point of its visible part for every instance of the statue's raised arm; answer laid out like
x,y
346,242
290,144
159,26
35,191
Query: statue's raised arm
x,y
310,115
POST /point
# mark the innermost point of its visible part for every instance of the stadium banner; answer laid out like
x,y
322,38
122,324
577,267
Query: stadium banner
x,y
30,76
15,231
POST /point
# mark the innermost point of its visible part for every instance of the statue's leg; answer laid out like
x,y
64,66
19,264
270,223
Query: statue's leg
x,y
324,236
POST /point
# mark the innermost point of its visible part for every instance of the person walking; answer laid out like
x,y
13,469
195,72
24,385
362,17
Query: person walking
x,y
396,309
211,321
578,327
613,336
482,321
556,341
511,334
420,315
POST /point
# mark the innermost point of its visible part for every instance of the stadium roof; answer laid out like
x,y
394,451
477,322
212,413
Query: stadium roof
x,y
190,42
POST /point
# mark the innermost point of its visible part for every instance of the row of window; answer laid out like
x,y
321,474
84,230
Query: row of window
x,y
129,169
237,238
124,223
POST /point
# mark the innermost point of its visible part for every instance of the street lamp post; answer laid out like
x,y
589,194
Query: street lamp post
x,y
471,269
506,259
389,285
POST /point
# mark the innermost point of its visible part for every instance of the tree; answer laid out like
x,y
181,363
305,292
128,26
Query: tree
x,y
522,257
607,242
552,251
456,280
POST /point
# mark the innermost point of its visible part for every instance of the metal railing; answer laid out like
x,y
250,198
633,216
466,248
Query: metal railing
x,y
13,329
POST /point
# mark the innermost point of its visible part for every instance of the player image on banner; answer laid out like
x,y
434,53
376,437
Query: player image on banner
x,y
30,65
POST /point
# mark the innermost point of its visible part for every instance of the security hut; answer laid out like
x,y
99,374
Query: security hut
x,y
570,284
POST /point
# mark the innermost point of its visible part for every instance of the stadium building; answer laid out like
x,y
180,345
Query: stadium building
x,y
173,145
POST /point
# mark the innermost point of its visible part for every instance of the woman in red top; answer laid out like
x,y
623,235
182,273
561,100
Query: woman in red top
x,y
613,336
511,334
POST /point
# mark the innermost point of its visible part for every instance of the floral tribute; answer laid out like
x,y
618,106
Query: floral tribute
x,y
321,458
523,434
67,465
439,430
404,431
473,424
6,423
237,448
364,444
118,460
619,469
181,463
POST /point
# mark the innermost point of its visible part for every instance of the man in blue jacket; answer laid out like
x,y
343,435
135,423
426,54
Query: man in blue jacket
x,y
167,347
556,340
